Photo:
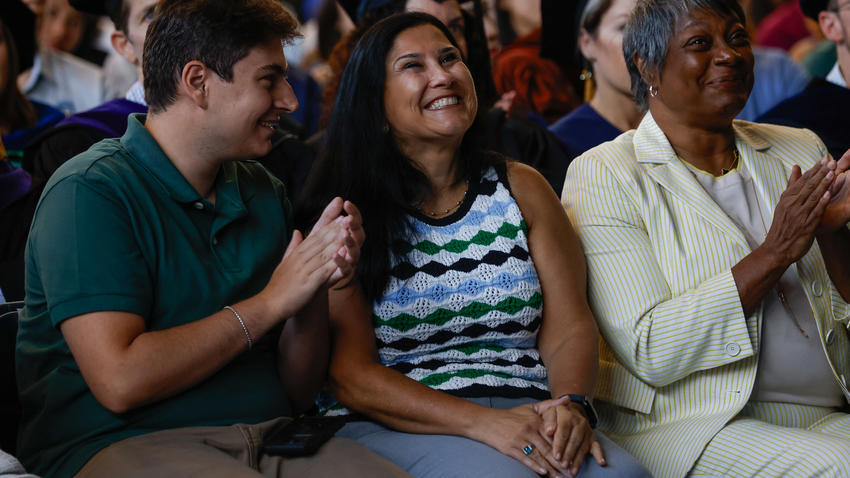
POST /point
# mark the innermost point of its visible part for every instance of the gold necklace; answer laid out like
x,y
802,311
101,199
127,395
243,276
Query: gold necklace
x,y
780,291
725,171
448,209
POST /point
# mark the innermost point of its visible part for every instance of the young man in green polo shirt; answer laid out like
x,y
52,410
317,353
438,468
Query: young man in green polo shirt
x,y
171,315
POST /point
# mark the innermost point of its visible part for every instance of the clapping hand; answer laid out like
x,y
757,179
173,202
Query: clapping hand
x,y
350,252
837,212
799,211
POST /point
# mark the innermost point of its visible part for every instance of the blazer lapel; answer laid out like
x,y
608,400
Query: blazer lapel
x,y
770,174
654,152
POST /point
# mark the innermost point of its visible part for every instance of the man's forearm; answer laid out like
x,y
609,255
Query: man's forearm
x,y
126,366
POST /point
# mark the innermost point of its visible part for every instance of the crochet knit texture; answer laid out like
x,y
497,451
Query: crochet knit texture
x,y
462,307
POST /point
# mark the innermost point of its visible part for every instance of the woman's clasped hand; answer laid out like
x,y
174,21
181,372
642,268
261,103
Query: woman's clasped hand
x,y
550,437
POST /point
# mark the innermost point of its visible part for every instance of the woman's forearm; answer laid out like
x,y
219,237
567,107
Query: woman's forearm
x,y
303,352
755,275
571,360
402,403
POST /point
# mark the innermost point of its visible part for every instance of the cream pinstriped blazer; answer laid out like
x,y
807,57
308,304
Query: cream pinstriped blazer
x,y
678,357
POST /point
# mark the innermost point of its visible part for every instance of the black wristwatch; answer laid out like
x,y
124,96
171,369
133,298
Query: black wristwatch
x,y
589,411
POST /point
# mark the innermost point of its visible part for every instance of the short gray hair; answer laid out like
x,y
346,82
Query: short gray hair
x,y
648,32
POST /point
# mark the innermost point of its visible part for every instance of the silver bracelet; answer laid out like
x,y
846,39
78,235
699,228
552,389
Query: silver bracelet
x,y
242,323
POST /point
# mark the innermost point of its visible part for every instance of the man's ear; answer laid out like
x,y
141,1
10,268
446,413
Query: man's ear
x,y
123,46
193,82
831,26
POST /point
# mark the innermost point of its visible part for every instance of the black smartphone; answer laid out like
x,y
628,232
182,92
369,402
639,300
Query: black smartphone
x,y
302,436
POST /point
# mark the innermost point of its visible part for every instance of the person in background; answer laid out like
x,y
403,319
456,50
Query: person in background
x,y
531,86
776,76
20,122
173,318
821,106
782,28
59,26
80,131
15,184
58,78
718,272
611,108
468,313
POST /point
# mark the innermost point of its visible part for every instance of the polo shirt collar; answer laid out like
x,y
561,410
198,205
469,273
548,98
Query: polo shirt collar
x,y
835,76
138,141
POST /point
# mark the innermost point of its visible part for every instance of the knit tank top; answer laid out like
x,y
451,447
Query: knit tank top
x,y
463,304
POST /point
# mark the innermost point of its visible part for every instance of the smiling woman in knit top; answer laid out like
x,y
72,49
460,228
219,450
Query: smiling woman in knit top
x,y
457,332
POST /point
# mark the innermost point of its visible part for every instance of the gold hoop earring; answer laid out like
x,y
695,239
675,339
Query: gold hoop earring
x,y
589,84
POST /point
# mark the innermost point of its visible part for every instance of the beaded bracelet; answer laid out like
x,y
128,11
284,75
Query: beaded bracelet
x,y
242,323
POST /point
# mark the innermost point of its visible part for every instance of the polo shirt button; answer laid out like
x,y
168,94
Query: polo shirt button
x,y
830,336
733,349
198,205
215,243
817,288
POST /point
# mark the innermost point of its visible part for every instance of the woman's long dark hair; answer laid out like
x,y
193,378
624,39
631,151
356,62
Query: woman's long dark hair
x,y
16,112
361,161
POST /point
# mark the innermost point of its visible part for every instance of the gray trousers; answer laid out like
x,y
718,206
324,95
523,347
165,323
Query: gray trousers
x,y
229,452
447,456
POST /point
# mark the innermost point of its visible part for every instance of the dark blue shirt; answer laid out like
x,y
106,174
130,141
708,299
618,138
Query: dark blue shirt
x,y
583,129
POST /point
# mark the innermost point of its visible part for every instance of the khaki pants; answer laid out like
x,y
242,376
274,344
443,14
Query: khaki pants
x,y
230,451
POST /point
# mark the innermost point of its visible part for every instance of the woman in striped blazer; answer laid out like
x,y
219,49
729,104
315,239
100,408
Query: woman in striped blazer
x,y
718,272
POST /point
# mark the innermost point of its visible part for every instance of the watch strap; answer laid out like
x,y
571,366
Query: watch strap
x,y
589,411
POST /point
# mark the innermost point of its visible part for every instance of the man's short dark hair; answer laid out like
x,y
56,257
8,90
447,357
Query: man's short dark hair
x,y
120,15
218,33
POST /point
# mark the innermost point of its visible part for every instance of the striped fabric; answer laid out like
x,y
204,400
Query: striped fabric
x,y
758,443
463,304
678,358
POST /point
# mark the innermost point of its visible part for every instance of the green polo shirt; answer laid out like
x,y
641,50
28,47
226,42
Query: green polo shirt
x,y
119,228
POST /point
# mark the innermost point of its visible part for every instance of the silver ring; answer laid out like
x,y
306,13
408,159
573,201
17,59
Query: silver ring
x,y
527,449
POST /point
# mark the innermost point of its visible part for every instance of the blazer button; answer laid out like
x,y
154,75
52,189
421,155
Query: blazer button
x,y
830,336
733,349
817,288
